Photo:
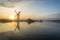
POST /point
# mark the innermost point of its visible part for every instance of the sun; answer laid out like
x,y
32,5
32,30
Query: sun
x,y
12,17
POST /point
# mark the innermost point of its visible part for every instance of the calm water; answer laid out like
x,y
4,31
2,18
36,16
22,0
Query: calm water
x,y
36,29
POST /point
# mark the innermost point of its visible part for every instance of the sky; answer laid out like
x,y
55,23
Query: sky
x,y
34,9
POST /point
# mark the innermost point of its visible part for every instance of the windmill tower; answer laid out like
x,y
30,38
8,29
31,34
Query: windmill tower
x,y
18,16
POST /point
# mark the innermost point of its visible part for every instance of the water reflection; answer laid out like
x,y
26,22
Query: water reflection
x,y
35,29
25,26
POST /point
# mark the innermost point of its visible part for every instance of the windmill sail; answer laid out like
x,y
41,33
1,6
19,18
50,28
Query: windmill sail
x,y
17,27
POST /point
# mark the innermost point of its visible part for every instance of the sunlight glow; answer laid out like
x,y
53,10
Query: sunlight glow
x,y
12,17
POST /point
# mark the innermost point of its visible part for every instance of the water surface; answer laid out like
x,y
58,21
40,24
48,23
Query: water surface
x,y
34,29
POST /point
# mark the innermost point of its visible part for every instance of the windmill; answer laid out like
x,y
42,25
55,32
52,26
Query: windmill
x,y
17,14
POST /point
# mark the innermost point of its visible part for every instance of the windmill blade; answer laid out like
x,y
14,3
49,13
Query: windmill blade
x,y
15,11
19,12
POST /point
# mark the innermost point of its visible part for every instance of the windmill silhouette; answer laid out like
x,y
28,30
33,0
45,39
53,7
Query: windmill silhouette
x,y
18,16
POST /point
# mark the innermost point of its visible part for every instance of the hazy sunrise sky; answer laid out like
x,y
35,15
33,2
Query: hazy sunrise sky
x,y
29,8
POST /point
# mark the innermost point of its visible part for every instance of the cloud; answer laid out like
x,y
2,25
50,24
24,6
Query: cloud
x,y
11,3
6,3
15,0
20,0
